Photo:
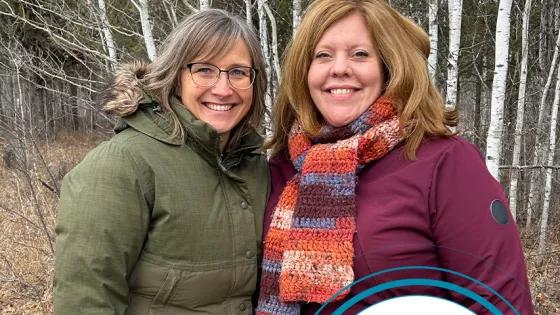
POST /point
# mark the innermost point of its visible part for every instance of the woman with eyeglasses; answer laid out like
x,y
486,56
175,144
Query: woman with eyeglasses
x,y
167,216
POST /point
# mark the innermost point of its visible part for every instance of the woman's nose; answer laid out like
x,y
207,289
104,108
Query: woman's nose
x,y
222,86
341,66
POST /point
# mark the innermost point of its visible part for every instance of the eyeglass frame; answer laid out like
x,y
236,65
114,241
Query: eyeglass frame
x,y
191,64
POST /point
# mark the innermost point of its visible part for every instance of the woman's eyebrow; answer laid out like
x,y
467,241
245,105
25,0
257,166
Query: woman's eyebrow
x,y
235,65
229,66
364,45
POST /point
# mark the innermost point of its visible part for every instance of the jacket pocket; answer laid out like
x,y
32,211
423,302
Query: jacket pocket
x,y
152,287
166,293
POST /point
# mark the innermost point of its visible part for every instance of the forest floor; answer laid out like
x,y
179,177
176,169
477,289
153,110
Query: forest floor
x,y
26,258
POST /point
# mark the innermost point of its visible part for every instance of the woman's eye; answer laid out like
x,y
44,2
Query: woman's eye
x,y
238,72
361,54
321,55
204,70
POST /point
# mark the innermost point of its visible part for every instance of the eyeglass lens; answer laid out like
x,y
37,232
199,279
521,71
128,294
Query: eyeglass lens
x,y
208,75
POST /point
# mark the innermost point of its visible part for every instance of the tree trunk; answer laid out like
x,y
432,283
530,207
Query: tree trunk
x,y
171,14
433,33
107,36
248,14
494,143
204,4
533,193
543,40
144,11
548,181
455,12
478,109
275,57
263,34
520,108
296,16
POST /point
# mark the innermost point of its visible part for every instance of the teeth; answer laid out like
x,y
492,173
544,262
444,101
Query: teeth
x,y
342,91
219,107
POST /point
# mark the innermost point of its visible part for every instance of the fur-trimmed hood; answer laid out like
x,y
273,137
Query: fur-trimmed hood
x,y
123,96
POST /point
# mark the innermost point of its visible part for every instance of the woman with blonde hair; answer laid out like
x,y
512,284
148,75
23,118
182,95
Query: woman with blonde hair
x,y
373,196
166,217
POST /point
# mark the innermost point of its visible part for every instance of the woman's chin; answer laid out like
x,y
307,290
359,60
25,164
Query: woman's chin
x,y
339,121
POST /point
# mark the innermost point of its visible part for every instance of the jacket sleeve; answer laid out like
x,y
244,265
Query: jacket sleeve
x,y
102,223
475,232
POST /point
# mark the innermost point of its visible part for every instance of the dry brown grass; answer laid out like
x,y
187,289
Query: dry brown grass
x,y
545,279
26,263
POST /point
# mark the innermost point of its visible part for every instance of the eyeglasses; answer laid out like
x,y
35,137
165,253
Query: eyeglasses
x,y
205,74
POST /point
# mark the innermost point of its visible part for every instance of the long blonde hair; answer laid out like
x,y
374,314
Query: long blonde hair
x,y
403,47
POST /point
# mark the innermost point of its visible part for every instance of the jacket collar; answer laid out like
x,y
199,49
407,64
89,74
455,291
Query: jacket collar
x,y
150,120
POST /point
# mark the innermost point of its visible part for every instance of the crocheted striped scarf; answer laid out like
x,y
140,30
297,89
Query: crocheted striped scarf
x,y
308,251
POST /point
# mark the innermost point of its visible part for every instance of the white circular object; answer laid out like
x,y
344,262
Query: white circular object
x,y
417,305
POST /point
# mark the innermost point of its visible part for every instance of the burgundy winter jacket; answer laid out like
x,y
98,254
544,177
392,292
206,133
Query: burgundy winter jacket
x,y
442,210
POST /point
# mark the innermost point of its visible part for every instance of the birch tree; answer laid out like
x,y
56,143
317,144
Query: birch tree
x,y
171,13
204,4
433,33
548,181
248,14
189,6
455,8
533,193
296,16
493,142
543,39
520,107
143,9
274,50
263,35
107,36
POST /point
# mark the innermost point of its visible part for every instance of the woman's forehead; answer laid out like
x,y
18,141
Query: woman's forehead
x,y
235,51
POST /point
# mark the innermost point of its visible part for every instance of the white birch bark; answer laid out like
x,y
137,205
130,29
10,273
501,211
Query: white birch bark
x,y
248,14
171,14
494,139
107,36
263,35
433,33
204,4
548,181
520,108
189,6
455,13
487,96
533,193
296,16
143,9
275,57
542,40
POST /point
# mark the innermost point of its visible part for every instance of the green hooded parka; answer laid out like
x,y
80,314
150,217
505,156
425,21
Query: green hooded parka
x,y
149,225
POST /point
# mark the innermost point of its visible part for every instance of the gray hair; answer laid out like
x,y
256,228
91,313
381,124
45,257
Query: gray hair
x,y
210,34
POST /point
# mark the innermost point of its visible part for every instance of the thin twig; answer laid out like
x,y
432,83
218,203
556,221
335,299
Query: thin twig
x,y
21,216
